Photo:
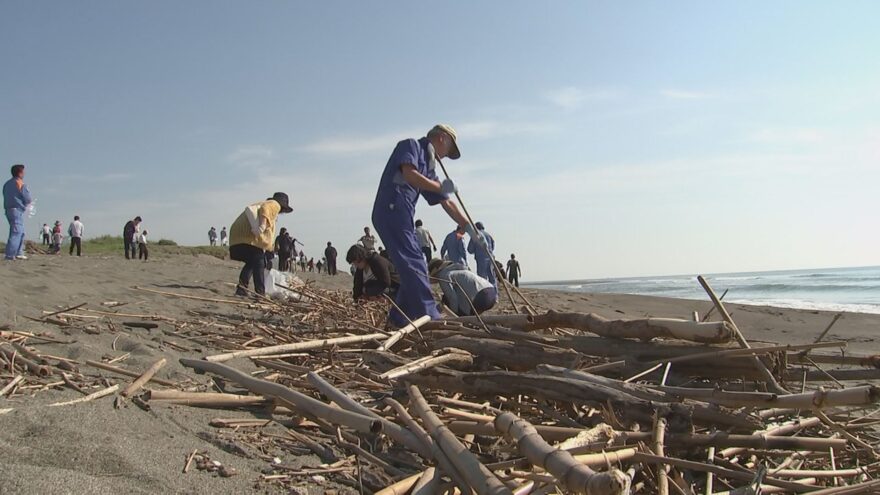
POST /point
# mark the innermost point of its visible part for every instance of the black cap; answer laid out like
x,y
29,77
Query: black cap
x,y
283,200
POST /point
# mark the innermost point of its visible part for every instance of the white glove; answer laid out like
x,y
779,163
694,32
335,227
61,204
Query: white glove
x,y
476,236
448,187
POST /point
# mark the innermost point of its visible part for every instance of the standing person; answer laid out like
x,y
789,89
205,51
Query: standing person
x,y
143,252
330,254
129,233
453,247
513,270
319,265
224,238
251,235
16,199
57,238
409,173
212,236
284,246
302,261
311,264
463,291
483,255
426,242
368,240
75,231
46,234
373,276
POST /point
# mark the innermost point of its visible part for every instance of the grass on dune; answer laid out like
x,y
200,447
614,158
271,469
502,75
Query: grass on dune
x,y
112,245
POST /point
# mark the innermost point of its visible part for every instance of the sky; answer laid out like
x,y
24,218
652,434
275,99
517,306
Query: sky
x,y
598,139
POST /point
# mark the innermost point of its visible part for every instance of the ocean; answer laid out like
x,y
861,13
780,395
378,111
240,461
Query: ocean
x,y
828,289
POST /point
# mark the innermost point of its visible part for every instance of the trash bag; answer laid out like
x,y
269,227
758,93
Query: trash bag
x,y
274,280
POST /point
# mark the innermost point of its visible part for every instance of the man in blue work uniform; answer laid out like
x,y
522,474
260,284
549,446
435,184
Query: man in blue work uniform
x,y
453,247
16,199
410,172
483,256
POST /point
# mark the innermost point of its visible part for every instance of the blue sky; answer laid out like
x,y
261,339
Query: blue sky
x,y
598,138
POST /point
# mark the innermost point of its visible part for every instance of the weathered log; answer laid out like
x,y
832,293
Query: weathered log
x,y
393,430
38,369
316,408
11,385
472,470
855,396
295,347
703,413
840,375
519,356
491,383
646,328
140,381
205,399
573,475
753,351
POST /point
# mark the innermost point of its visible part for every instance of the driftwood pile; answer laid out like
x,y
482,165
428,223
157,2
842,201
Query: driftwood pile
x,y
525,404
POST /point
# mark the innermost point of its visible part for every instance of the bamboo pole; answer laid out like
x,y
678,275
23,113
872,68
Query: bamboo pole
x,y
573,475
403,332
772,384
11,385
472,470
97,395
295,347
316,408
393,430
125,372
454,356
140,381
205,399
660,450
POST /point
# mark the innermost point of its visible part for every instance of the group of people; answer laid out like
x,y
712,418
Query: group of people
x,y
406,268
53,237
212,236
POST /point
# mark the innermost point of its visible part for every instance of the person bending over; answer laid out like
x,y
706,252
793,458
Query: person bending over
x,y
373,276
464,292
251,235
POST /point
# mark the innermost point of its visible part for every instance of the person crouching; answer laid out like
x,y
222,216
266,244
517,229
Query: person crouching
x,y
251,235
464,292
373,276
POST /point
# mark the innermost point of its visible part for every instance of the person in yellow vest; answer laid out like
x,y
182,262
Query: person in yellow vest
x,y
251,235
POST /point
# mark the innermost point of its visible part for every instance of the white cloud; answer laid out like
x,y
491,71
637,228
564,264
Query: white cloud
x,y
570,97
789,135
250,155
467,131
679,94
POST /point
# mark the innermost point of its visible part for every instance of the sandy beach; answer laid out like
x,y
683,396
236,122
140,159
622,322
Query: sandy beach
x,y
96,448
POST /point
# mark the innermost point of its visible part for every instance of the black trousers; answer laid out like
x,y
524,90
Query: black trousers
x,y
427,252
254,260
143,252
76,241
130,249
46,240
513,278
331,266
283,261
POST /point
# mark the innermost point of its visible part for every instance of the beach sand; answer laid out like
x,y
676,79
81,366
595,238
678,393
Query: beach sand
x,y
95,448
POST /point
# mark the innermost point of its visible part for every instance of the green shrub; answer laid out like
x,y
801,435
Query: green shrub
x,y
166,242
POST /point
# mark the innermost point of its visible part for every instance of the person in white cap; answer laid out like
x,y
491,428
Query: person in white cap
x,y
410,173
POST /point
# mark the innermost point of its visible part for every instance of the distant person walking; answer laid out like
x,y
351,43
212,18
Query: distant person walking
x,y
513,270
251,235
143,252
224,237
453,247
330,255
426,242
212,236
75,231
368,240
46,234
16,200
483,255
129,238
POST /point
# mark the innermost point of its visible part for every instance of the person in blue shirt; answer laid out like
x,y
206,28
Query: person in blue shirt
x,y
16,199
453,247
483,254
410,173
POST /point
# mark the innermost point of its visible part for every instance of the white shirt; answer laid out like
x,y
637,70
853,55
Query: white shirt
x,y
424,237
75,229
142,238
